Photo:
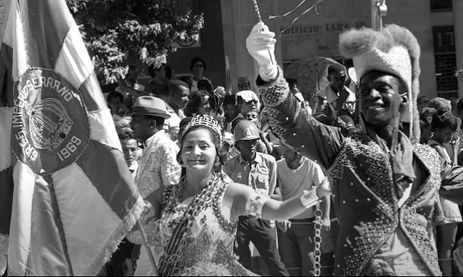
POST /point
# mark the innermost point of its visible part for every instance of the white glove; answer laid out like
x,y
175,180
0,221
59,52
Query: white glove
x,y
261,46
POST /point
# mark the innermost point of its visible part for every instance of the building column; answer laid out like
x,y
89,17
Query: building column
x,y
458,31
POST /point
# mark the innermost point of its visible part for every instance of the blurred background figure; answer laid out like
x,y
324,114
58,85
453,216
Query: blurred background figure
x,y
123,261
198,68
130,148
243,83
246,101
176,95
160,77
116,103
443,126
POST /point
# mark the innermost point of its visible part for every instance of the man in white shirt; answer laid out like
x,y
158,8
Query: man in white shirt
x,y
158,166
296,173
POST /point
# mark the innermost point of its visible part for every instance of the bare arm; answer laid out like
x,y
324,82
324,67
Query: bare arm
x,y
268,144
325,206
247,202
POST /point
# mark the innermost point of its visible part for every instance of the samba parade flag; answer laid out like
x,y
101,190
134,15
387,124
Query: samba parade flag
x,y
73,199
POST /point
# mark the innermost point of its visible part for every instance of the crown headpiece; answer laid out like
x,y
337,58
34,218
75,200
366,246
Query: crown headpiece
x,y
207,121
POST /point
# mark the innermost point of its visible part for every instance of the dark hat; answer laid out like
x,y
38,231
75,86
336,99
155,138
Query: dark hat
x,y
150,106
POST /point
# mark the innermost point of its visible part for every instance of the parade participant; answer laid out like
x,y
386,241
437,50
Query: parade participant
x,y
384,184
259,172
296,173
198,217
158,165
443,126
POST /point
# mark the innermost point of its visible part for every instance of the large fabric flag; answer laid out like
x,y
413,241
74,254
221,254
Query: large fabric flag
x,y
61,163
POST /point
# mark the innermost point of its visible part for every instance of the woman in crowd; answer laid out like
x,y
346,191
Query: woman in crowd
x,y
198,68
443,126
192,225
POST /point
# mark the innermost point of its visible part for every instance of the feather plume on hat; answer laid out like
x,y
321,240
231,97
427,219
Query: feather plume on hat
x,y
394,50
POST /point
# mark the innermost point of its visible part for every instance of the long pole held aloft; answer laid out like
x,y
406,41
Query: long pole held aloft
x,y
378,11
256,9
148,249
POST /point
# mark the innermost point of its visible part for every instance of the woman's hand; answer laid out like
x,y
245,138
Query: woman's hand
x,y
323,189
284,225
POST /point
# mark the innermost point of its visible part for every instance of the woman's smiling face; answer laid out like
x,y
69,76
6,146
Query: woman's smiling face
x,y
198,151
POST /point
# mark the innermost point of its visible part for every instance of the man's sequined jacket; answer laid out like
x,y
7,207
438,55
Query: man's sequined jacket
x,y
361,178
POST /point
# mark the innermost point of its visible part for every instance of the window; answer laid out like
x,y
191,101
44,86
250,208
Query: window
x,y
441,5
445,59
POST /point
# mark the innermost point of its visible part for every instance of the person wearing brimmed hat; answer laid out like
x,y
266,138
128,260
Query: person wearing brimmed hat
x,y
246,101
158,165
258,171
385,184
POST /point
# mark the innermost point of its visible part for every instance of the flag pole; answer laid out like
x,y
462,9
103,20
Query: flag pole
x,y
148,249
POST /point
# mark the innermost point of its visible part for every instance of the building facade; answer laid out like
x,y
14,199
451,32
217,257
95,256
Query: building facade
x,y
437,24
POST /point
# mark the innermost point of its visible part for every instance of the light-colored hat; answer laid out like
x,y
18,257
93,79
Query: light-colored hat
x,y
150,106
393,49
247,95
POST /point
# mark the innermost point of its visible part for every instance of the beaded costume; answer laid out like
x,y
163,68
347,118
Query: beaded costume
x,y
361,176
196,238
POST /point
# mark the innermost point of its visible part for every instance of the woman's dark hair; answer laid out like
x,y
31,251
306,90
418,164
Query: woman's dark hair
x,y
444,120
195,60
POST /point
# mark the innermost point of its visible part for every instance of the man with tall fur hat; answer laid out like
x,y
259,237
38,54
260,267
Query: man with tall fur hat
x,y
383,182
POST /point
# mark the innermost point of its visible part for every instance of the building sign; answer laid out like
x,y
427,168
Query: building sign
x,y
337,27
311,39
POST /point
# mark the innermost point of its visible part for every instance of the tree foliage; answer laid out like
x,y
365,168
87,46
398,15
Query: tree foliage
x,y
116,30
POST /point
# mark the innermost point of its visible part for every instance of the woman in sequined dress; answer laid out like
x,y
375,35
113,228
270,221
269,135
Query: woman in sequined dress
x,y
192,225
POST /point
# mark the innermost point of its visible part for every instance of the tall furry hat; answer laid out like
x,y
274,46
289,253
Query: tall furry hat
x,y
394,50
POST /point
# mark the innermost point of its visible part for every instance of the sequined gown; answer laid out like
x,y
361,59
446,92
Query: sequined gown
x,y
195,238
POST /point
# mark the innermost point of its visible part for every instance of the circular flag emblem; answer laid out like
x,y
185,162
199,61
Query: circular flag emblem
x,y
50,125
